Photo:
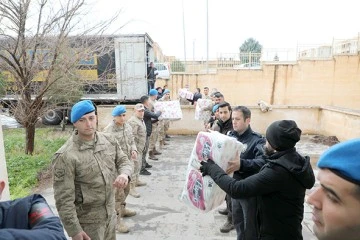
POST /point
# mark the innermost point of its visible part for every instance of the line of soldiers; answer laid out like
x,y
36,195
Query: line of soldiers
x,y
91,163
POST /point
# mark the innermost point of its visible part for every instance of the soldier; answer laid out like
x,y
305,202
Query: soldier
x,y
155,127
139,132
122,131
164,124
86,169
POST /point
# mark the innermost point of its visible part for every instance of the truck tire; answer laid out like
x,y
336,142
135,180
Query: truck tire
x,y
52,117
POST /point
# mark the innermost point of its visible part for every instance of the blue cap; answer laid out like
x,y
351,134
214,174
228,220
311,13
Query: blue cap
x,y
215,108
166,91
344,160
118,110
80,109
153,92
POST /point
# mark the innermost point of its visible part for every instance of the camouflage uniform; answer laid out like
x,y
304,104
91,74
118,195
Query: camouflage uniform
x,y
139,133
155,130
163,125
124,136
84,173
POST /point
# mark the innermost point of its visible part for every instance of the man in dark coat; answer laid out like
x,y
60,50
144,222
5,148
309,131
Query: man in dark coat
x,y
251,161
148,116
280,185
224,125
28,218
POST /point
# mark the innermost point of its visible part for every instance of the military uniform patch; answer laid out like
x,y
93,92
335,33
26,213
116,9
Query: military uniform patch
x,y
59,174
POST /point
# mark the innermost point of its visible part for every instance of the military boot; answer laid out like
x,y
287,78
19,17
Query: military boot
x,y
139,183
120,225
152,156
133,190
125,212
155,152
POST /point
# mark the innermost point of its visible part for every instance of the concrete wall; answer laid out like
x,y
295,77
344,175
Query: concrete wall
x,y
334,82
343,124
327,121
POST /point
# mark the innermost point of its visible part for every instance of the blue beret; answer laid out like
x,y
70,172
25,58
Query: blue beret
x,y
344,160
166,91
118,110
80,109
153,92
215,108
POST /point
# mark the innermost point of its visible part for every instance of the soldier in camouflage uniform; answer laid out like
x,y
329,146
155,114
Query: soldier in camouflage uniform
x,y
155,128
86,169
164,124
139,132
122,131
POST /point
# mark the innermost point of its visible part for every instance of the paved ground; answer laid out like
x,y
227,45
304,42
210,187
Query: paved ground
x,y
161,215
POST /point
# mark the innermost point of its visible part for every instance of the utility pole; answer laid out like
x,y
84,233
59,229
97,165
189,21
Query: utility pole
x,y
183,14
207,36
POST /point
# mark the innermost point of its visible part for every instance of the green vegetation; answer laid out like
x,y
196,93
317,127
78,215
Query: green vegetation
x,y
25,170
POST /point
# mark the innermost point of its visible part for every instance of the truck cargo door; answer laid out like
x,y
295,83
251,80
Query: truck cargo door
x,y
130,59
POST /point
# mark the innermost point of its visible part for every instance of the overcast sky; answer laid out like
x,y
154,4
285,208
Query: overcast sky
x,y
275,24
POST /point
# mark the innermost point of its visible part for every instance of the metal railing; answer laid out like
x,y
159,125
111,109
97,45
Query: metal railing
x,y
255,60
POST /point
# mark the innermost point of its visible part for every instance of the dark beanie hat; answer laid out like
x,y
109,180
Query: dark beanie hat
x,y
283,135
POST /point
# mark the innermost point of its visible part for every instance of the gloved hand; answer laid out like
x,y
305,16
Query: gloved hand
x,y
206,167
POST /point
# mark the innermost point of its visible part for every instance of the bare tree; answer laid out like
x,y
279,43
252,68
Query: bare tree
x,y
41,44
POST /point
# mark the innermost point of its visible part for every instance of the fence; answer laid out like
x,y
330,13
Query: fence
x,y
254,60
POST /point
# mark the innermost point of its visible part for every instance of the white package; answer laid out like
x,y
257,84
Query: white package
x,y
201,192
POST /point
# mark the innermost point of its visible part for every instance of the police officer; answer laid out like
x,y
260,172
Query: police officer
x,y
28,218
122,131
139,132
244,209
86,169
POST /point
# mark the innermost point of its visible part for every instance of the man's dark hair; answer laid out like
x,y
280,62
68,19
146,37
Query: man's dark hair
x,y
218,95
206,88
245,111
198,89
225,104
144,99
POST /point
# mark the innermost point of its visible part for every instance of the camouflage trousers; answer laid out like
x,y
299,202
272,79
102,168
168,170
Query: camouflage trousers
x,y
120,197
154,136
104,230
137,167
163,127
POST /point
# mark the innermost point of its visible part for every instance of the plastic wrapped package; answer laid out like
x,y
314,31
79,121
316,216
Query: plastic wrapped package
x,y
200,113
201,192
184,93
171,110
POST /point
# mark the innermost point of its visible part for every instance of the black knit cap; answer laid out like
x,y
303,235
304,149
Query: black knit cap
x,y
283,135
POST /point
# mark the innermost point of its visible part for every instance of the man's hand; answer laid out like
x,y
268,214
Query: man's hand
x,y
121,181
134,155
205,167
81,236
233,166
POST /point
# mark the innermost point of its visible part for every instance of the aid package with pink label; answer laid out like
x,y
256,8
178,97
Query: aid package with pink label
x,y
201,192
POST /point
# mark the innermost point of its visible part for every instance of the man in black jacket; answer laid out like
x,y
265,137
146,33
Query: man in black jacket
x,y
280,185
244,209
28,218
148,116
224,125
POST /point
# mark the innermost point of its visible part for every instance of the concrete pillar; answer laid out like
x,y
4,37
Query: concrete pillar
x,y
3,169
